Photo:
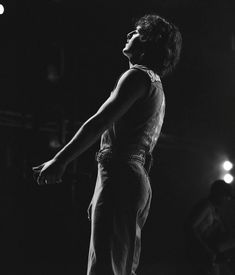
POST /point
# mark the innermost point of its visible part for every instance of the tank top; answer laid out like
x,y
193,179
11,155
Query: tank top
x,y
139,128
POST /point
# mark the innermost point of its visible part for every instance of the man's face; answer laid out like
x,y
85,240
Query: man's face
x,y
134,46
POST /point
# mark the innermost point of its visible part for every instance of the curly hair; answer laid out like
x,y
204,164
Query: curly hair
x,y
163,43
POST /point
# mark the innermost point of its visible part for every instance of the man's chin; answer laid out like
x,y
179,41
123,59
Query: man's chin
x,y
125,52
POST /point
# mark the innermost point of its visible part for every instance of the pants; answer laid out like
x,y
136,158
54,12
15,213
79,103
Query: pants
x,y
119,209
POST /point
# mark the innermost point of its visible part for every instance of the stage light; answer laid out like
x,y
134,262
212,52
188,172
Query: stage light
x,y
1,9
228,178
227,165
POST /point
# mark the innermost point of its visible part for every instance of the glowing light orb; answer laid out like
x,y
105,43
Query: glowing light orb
x,y
1,9
228,178
227,165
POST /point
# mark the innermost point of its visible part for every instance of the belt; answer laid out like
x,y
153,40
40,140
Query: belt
x,y
108,154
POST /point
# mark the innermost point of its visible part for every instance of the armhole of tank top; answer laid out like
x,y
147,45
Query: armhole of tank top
x,y
159,89
149,80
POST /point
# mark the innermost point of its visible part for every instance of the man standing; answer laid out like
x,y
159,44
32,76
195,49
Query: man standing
x,y
129,124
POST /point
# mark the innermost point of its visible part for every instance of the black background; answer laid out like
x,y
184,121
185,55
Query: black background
x,y
59,60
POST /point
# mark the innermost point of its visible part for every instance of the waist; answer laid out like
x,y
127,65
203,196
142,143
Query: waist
x,y
109,154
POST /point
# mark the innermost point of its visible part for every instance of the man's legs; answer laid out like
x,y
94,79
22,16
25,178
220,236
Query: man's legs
x,y
116,231
115,243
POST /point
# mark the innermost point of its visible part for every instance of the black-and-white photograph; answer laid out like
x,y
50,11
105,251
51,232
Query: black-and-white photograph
x,y
117,144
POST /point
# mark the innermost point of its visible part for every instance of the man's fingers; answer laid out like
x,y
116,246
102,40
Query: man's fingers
x,y
44,175
50,180
41,180
53,180
37,168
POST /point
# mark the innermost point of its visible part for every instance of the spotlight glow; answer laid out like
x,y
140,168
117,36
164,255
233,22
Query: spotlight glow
x,y
1,9
228,178
227,165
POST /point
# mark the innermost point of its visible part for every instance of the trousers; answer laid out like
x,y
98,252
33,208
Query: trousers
x,y
118,210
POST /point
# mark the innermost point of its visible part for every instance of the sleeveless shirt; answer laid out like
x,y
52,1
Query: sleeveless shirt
x,y
139,128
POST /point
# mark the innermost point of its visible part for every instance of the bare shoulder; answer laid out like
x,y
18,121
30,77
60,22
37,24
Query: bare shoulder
x,y
137,75
134,80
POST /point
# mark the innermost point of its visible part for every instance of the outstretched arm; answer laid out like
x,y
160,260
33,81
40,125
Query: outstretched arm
x,y
131,86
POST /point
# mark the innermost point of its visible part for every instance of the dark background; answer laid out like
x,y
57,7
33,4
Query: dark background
x,y
59,60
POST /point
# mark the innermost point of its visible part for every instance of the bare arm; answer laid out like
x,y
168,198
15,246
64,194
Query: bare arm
x,y
131,86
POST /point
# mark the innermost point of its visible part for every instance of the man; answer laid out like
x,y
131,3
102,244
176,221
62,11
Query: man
x,y
209,243
130,122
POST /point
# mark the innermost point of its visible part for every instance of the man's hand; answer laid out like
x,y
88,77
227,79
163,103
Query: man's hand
x,y
49,172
